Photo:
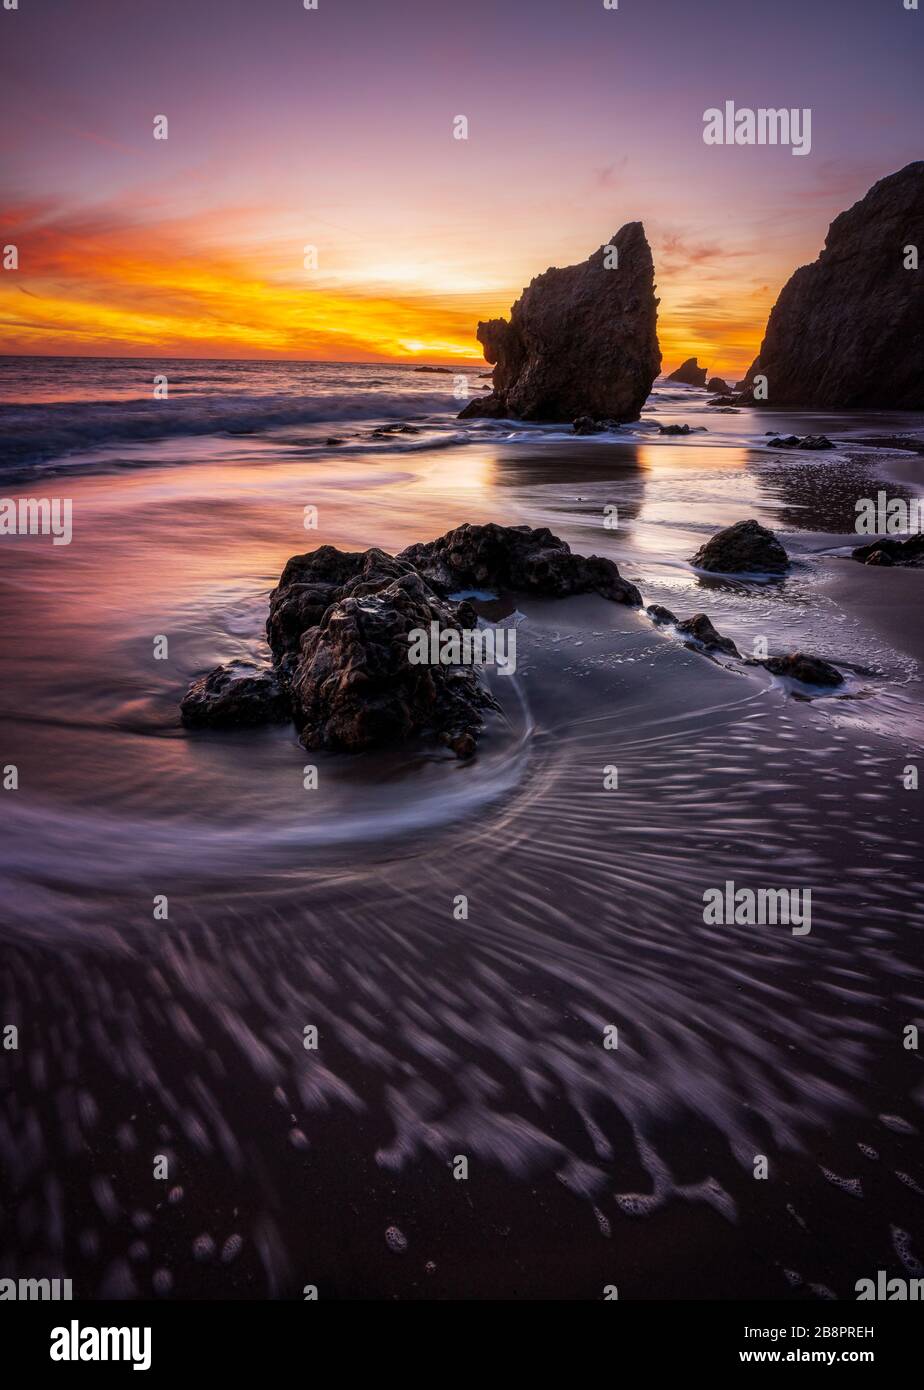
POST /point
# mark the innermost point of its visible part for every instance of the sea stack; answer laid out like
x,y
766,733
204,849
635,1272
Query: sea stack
x,y
689,373
847,331
581,340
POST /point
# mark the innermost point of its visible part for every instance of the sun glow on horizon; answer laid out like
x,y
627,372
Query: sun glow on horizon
x,y
102,283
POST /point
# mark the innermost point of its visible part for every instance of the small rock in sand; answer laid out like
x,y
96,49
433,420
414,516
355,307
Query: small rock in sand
x,y
810,670
745,547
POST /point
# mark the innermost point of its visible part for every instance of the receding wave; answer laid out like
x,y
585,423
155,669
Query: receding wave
x,y
33,433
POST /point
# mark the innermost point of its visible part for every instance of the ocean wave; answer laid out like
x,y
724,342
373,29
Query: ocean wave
x,y
36,432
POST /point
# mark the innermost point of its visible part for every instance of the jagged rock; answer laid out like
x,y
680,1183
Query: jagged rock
x,y
338,630
674,429
847,331
793,441
311,583
892,551
811,670
236,696
745,547
355,687
515,558
689,373
585,425
727,399
580,340
660,615
700,628
436,371
727,410
718,385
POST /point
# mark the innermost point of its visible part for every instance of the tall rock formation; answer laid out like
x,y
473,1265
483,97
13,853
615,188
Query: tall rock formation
x,y
581,340
689,373
848,330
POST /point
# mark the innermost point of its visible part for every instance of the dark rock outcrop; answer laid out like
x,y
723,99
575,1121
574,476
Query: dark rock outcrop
x,y
810,670
339,625
892,551
585,425
236,696
689,373
580,340
355,688
700,628
799,666
660,615
311,583
675,429
745,547
793,441
718,385
847,331
518,558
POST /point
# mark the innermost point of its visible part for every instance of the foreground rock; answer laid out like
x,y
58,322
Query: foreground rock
x,y
718,385
700,628
799,666
580,340
810,670
746,547
339,630
517,558
237,696
891,551
689,373
846,331
354,687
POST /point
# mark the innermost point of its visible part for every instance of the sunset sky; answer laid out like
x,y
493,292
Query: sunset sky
x,y
333,128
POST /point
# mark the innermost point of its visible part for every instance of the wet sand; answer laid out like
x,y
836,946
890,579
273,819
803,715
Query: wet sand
x,y
442,1038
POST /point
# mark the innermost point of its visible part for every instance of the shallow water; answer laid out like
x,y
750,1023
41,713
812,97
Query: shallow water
x,y
442,1037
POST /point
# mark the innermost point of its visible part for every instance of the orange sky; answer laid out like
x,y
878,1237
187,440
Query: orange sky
x,y
101,284
335,127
